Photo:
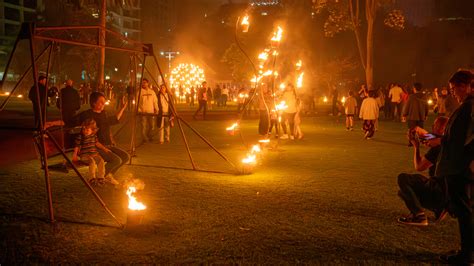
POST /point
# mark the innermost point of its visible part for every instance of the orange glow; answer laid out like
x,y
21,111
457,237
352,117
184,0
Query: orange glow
x,y
299,81
250,159
277,35
245,23
133,204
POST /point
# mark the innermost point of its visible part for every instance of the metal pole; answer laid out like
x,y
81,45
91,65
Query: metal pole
x,y
178,119
21,79
102,33
56,144
47,79
7,67
134,125
42,148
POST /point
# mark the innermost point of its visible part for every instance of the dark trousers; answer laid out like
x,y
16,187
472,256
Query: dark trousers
x,y
395,108
274,123
290,117
369,128
460,206
419,192
203,107
263,124
115,159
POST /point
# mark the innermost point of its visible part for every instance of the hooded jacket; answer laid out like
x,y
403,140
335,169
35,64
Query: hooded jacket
x,y
416,108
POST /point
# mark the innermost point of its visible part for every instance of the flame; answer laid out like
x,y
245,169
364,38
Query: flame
x,y
255,149
343,100
299,64
107,102
277,35
250,159
133,204
20,96
256,79
264,141
281,106
275,53
282,86
267,73
245,23
263,56
325,99
299,81
233,127
430,102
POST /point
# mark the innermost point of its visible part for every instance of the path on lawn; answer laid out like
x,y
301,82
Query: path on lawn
x,y
331,197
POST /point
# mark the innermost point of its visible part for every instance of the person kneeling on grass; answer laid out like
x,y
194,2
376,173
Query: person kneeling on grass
x,y
369,112
419,191
86,146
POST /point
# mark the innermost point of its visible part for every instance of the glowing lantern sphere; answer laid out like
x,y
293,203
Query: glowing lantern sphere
x,y
187,76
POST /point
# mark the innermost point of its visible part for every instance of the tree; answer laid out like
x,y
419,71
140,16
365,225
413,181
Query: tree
x,y
346,14
241,68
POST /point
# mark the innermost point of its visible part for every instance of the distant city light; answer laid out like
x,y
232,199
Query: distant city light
x,y
264,13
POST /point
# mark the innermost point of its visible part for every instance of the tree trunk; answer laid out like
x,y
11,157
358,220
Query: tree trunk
x,y
102,33
371,8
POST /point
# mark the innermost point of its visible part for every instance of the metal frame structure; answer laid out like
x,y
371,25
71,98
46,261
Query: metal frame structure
x,y
34,34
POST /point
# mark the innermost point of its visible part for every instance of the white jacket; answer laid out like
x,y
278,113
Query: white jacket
x,y
148,102
369,110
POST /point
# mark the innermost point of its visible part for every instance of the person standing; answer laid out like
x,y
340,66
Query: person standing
x,y
369,112
335,95
69,103
117,157
147,108
289,96
224,95
165,115
217,95
395,95
264,103
202,99
350,106
32,95
455,164
415,110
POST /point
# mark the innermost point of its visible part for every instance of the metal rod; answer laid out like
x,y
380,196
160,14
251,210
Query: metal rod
x,y
42,148
47,80
20,80
173,110
39,29
134,125
90,45
56,144
207,142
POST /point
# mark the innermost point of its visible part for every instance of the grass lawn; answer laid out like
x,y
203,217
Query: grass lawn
x,y
330,198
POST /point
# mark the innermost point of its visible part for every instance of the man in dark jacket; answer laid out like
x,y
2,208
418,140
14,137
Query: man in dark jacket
x,y
32,95
416,108
69,103
455,164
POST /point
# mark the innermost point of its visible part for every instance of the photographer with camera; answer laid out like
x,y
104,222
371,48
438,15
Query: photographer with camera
x,y
416,190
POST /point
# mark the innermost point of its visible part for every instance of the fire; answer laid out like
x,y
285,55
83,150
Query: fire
x,y
250,159
233,127
299,81
20,96
325,99
299,64
255,79
245,23
277,35
133,204
264,141
187,76
430,102
256,149
263,56
282,86
267,73
343,100
281,106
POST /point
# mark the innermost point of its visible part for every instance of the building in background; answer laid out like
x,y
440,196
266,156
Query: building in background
x,y
12,14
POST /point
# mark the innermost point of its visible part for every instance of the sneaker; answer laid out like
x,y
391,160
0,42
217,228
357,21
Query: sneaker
x,y
110,178
419,220
285,136
92,181
292,137
351,129
347,129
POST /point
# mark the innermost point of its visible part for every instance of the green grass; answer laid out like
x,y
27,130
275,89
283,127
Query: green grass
x,y
330,198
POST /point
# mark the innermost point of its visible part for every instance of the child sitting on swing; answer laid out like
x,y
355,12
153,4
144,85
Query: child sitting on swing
x,y
86,145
